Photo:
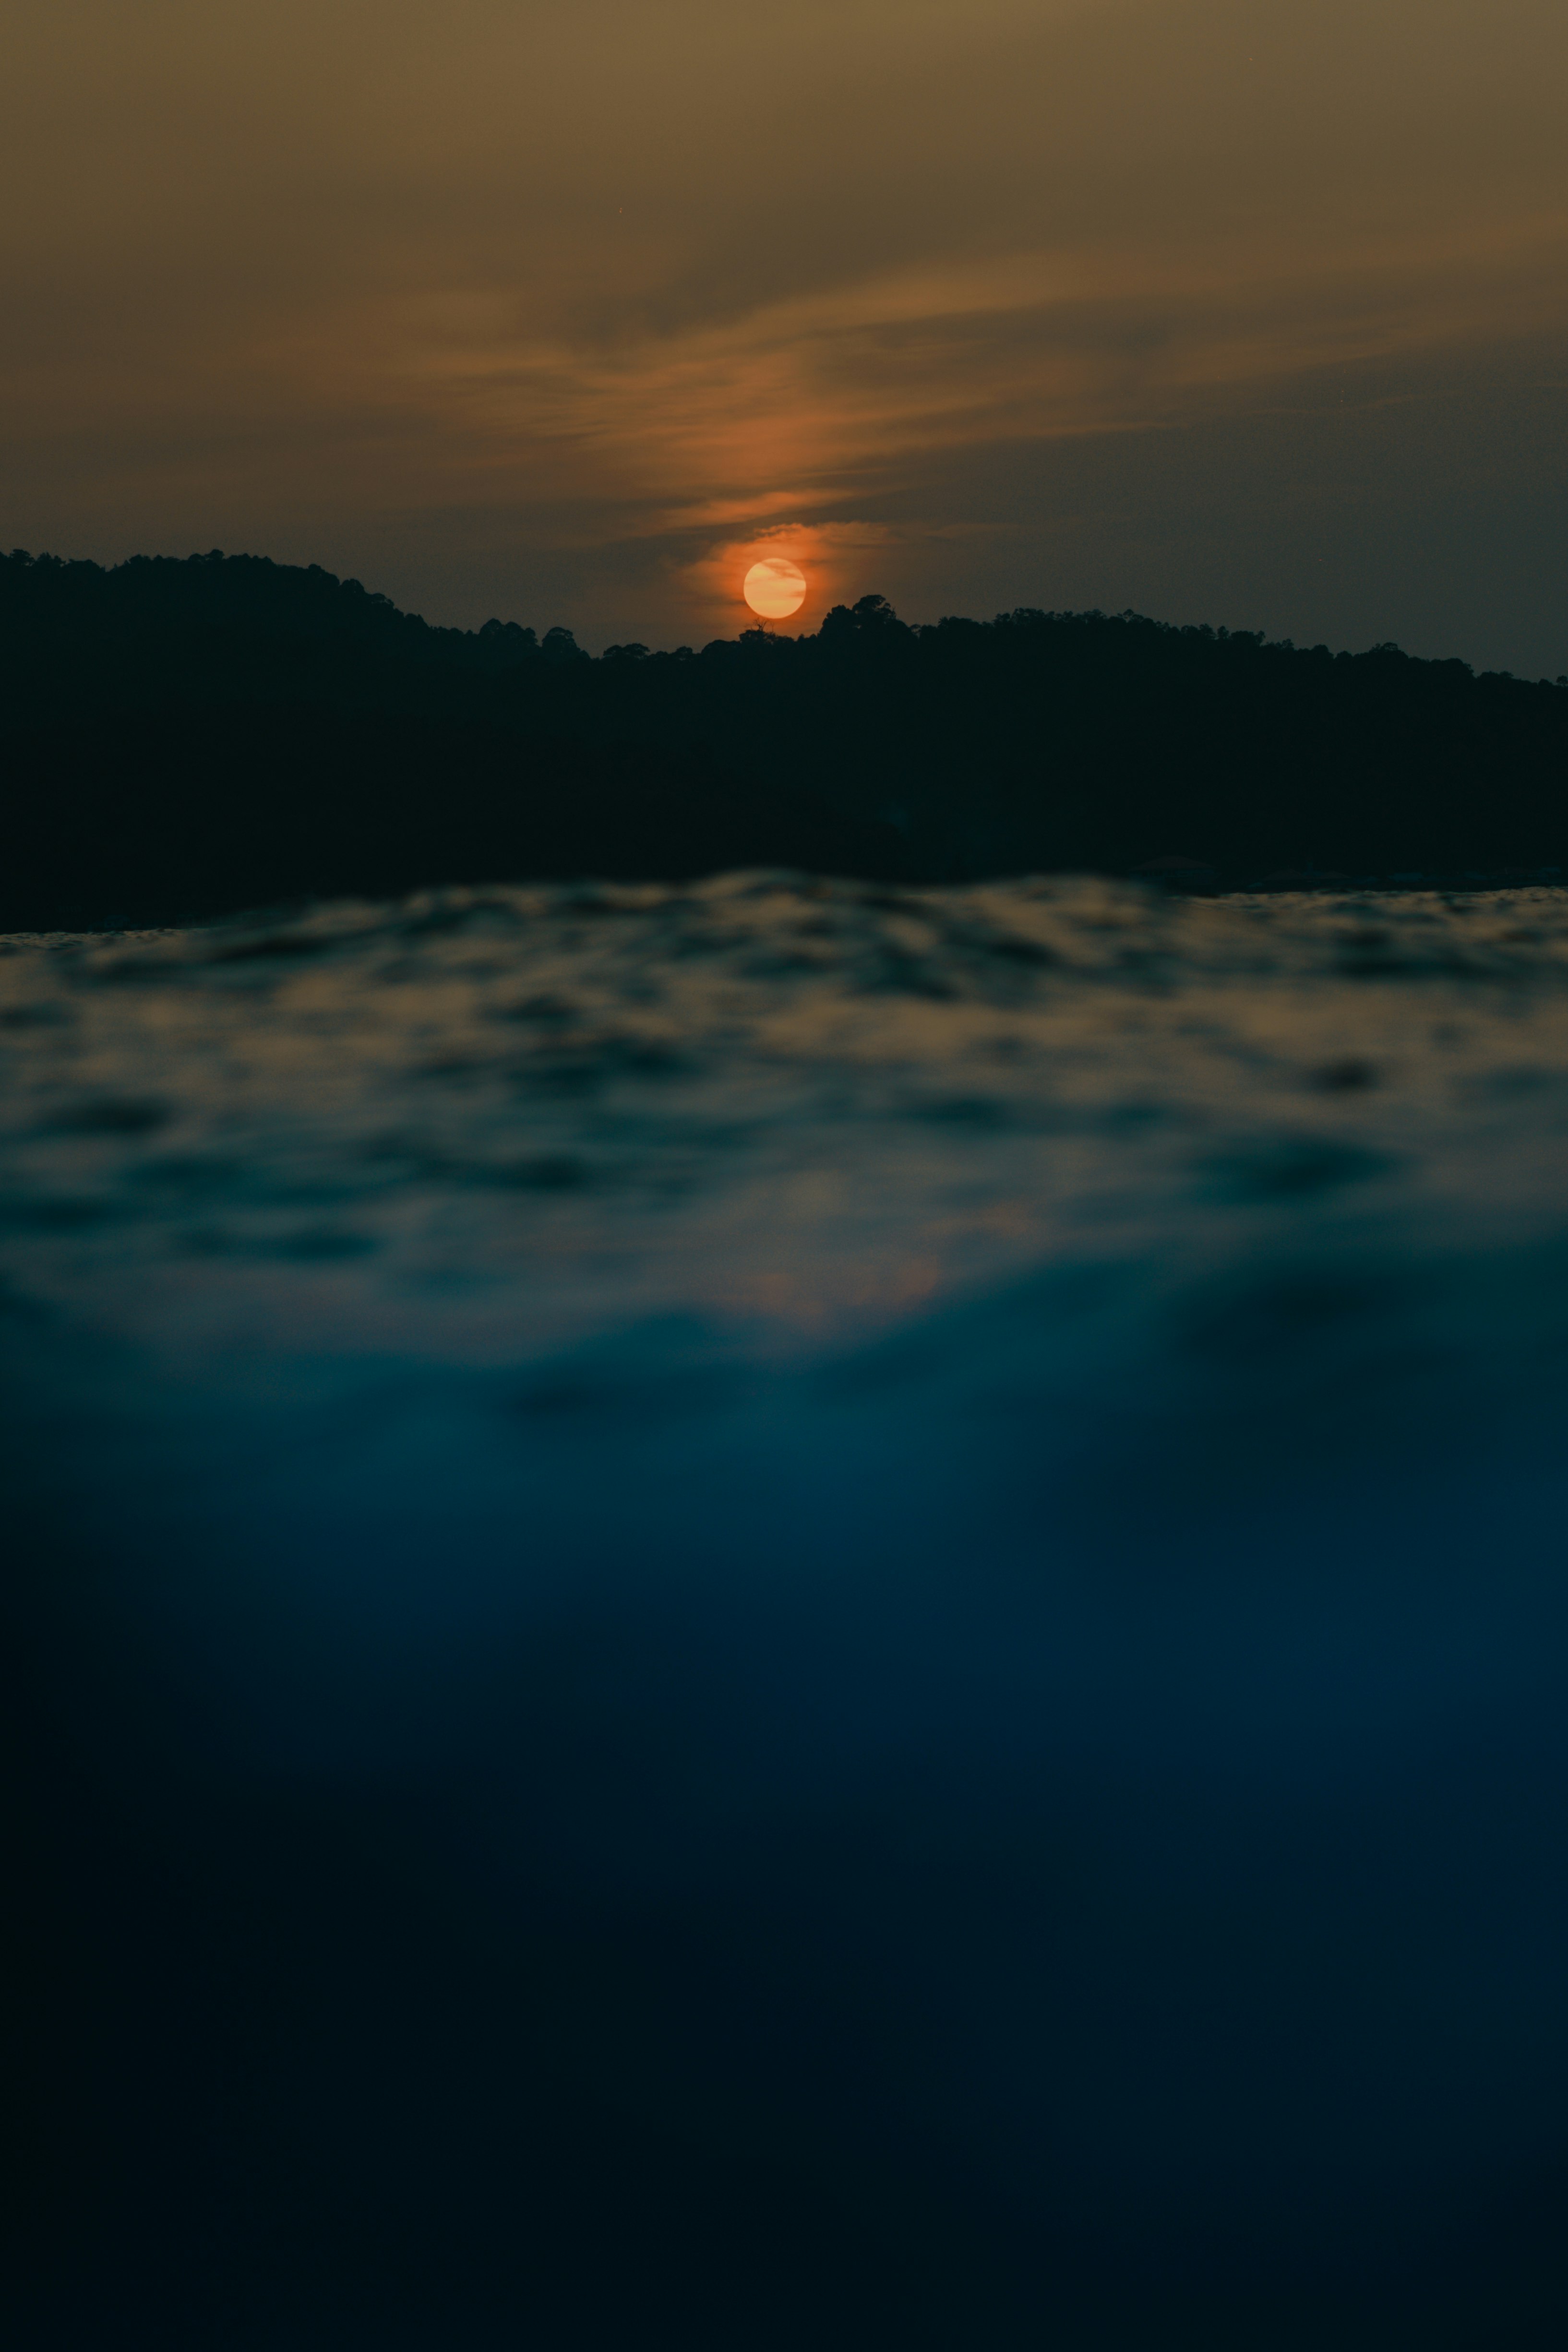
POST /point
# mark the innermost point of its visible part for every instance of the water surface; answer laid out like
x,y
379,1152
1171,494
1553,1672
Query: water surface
x,y
786,1611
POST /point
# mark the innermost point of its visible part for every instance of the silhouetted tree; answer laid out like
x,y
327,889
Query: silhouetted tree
x,y
186,737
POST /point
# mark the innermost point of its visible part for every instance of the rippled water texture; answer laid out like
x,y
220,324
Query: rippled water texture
x,y
787,1612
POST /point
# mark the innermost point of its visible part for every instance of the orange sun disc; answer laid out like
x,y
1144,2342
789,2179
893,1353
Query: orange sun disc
x,y
774,588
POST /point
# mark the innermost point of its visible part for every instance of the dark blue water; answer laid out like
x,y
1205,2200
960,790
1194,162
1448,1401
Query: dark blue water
x,y
787,1615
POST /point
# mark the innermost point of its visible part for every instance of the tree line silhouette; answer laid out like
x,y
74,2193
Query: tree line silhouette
x,y
182,738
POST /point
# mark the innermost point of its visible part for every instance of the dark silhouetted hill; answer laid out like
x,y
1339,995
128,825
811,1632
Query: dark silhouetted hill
x,y
183,737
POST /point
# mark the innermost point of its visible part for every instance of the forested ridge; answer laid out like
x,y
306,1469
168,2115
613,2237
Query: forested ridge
x,y
181,738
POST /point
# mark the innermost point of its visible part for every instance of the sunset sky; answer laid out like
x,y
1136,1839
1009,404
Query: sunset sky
x,y
571,310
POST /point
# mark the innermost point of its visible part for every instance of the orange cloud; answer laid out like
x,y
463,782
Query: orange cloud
x,y
498,305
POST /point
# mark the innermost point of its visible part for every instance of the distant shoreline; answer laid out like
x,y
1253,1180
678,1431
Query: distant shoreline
x,y
196,738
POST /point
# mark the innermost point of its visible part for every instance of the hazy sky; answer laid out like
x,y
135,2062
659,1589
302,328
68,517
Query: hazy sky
x,y
568,308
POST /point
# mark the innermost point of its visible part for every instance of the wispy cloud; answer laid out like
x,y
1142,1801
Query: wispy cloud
x,y
629,292
779,416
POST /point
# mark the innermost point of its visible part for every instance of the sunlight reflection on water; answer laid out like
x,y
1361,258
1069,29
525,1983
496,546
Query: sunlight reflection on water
x,y
483,1116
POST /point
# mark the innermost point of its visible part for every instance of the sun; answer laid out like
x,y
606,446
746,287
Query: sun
x,y
774,588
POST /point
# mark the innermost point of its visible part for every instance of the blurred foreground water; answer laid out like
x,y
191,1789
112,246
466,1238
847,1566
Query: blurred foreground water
x,y
787,1614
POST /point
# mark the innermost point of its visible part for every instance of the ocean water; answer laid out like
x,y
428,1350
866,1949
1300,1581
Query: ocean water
x,y
788,1613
